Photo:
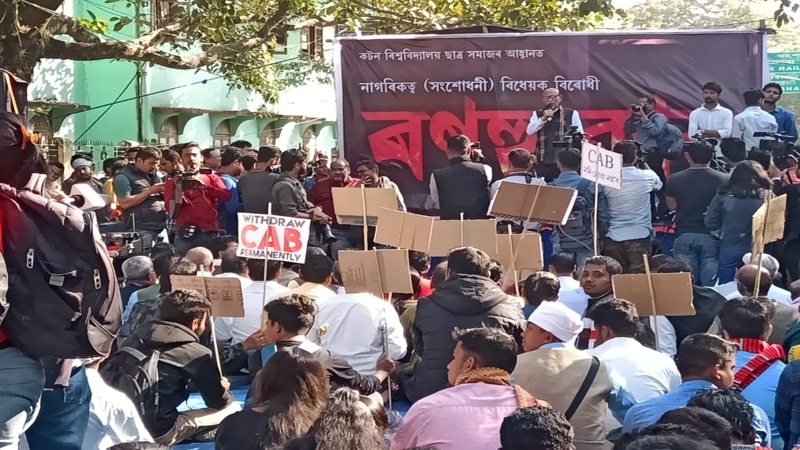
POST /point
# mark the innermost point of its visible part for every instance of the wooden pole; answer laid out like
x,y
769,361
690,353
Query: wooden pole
x,y
525,228
461,228
596,203
214,343
760,242
511,248
385,332
264,295
364,216
652,297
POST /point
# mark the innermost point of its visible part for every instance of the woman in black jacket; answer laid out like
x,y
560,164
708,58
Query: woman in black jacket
x,y
289,393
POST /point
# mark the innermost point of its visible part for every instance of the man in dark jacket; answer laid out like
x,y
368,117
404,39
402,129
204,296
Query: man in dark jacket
x,y
463,186
183,360
468,299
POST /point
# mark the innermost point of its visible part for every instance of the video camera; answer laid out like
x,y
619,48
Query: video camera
x,y
572,139
780,146
186,180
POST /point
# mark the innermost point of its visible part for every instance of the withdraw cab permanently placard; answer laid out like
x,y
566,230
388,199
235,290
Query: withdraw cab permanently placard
x,y
278,238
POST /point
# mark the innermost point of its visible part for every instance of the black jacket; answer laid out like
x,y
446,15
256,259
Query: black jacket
x,y
466,301
183,360
463,187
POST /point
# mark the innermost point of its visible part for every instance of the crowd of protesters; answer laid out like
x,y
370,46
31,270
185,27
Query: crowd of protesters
x,y
463,362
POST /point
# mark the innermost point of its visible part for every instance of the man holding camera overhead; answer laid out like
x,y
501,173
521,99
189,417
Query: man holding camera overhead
x,y
552,124
193,199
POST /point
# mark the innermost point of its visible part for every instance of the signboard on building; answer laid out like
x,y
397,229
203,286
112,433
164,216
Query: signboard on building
x,y
784,69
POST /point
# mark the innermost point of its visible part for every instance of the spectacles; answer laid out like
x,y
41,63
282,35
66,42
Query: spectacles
x,y
552,96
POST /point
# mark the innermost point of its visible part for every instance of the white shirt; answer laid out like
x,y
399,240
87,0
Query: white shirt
x,y
536,124
578,301
568,284
647,373
113,418
719,119
730,291
515,178
753,119
355,324
237,329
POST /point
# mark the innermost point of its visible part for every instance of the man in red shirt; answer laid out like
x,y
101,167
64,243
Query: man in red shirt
x,y
321,194
192,202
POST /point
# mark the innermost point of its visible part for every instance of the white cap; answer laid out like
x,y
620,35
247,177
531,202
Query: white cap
x,y
767,261
558,319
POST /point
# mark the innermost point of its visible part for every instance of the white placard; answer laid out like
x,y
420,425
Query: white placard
x,y
601,165
278,238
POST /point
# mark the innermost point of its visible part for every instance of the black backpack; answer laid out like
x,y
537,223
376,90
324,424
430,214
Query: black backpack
x,y
135,373
579,221
63,299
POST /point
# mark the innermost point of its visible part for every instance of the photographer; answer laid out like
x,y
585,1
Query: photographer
x,y
645,125
256,187
288,195
520,172
461,187
551,124
753,120
193,200
140,193
320,171
630,227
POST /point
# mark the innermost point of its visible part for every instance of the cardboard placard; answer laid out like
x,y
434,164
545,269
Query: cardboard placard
x,y
673,293
776,222
278,238
480,234
349,205
375,271
601,166
529,257
404,230
225,294
513,201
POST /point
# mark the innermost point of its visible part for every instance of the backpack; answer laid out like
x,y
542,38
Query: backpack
x,y
579,221
63,297
135,374
670,142
13,94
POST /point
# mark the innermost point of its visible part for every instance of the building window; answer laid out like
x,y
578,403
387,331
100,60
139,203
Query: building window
x,y
311,42
168,134
164,12
268,134
281,42
222,135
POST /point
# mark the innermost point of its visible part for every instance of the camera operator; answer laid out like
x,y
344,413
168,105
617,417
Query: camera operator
x,y
753,120
288,195
256,186
783,117
316,171
551,124
689,193
645,125
630,227
140,193
521,167
711,120
461,187
193,199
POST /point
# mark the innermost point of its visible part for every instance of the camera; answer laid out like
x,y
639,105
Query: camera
x,y
636,108
572,139
187,183
276,169
325,234
780,146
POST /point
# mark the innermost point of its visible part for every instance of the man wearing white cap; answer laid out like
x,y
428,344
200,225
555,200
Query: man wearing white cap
x,y
573,382
730,290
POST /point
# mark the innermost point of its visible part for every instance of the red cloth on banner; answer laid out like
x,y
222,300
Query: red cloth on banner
x,y
766,355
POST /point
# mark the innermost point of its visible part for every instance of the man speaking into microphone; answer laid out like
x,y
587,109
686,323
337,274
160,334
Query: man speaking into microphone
x,y
551,124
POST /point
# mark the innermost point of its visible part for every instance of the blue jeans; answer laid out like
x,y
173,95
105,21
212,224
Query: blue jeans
x,y
700,252
21,381
729,259
64,416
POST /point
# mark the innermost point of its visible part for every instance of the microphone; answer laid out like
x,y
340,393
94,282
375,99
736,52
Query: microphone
x,y
552,107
